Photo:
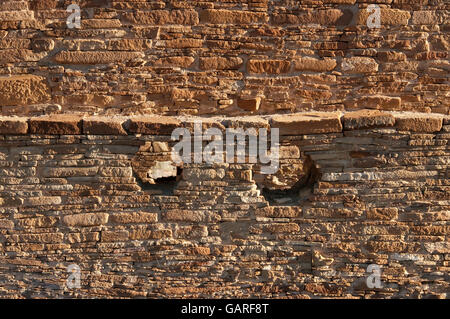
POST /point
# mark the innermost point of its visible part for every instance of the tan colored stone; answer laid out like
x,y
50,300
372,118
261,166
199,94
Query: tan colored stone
x,y
383,213
318,16
18,15
183,43
268,66
180,61
380,102
424,17
283,228
96,57
162,17
101,23
220,63
89,219
359,65
111,236
313,64
23,90
388,16
134,217
42,201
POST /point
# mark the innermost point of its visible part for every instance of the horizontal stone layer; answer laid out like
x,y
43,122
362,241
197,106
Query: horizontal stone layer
x,y
289,124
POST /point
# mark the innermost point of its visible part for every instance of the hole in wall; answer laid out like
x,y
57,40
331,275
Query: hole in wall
x,y
299,192
161,185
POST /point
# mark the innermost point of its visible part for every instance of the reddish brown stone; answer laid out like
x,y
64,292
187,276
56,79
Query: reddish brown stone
x,y
250,105
13,125
232,17
103,126
153,125
56,125
367,119
307,123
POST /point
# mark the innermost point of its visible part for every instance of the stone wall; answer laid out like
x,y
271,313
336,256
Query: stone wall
x,y
353,189
223,57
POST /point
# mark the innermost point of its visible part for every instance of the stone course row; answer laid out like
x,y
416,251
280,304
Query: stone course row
x,y
292,124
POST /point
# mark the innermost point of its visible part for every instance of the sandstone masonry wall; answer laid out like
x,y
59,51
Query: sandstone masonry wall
x,y
72,192
223,57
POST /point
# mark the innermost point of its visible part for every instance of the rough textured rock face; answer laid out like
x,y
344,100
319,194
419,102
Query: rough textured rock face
x,y
87,177
373,188
206,57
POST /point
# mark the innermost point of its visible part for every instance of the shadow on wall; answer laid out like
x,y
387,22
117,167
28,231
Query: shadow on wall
x,y
299,192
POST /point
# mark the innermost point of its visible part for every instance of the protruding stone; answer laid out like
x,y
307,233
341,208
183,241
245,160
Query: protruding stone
x,y
367,119
418,122
56,125
104,126
246,122
13,125
307,123
153,125
250,105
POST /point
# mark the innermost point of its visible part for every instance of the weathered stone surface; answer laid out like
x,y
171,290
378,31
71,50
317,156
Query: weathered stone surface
x,y
220,63
367,119
58,124
18,15
249,104
388,16
153,125
135,218
268,66
13,125
416,122
313,64
307,123
382,213
23,89
320,17
180,61
380,102
76,57
89,219
231,17
359,65
163,17
104,126
424,17
111,199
